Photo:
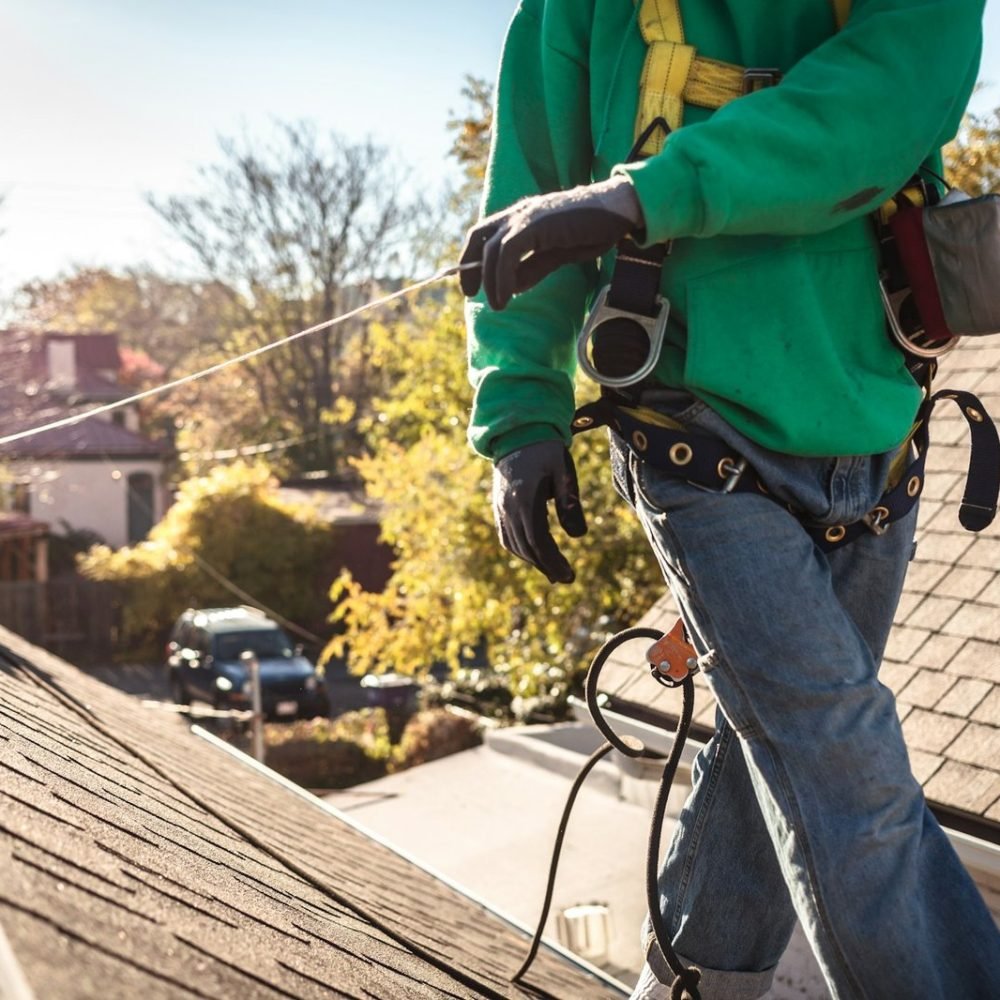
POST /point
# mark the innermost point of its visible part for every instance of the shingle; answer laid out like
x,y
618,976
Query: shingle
x,y
977,744
895,676
962,786
989,383
933,612
924,764
991,594
975,621
951,457
963,698
937,485
938,651
922,577
947,430
943,547
931,732
989,710
928,508
959,377
943,518
977,659
908,602
984,552
964,583
926,689
904,641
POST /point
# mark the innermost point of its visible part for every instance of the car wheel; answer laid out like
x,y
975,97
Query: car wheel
x,y
178,691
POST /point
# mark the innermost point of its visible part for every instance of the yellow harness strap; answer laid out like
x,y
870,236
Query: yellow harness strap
x,y
675,75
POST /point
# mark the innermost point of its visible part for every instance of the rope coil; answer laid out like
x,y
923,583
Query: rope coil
x,y
685,984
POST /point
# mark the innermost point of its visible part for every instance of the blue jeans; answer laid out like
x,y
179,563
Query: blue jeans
x,y
803,803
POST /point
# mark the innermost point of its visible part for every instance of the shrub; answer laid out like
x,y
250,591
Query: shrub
x,y
432,734
355,747
229,524
320,753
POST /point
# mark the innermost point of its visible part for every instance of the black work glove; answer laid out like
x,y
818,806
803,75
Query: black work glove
x,y
523,483
519,246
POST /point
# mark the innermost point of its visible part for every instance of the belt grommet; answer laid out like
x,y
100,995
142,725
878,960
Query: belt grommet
x,y
681,453
582,423
726,467
835,534
640,441
763,488
974,414
913,486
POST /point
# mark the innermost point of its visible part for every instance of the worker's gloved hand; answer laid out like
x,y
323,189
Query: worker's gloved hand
x,y
519,246
523,483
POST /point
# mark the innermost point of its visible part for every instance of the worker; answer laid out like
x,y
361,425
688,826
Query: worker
x,y
774,356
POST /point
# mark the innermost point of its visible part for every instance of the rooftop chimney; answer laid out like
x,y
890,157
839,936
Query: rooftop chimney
x,y
62,362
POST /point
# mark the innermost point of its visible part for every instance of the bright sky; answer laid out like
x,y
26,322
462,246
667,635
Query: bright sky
x,y
106,99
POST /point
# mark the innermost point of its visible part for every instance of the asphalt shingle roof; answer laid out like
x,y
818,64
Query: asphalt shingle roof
x,y
943,658
139,861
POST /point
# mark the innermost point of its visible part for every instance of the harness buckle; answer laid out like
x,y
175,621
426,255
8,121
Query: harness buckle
x,y
758,78
732,471
653,326
877,520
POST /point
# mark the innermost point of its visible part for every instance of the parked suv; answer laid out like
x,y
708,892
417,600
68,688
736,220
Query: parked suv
x,y
204,662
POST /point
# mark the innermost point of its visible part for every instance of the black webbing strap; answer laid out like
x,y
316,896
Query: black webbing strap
x,y
635,280
700,458
621,346
982,484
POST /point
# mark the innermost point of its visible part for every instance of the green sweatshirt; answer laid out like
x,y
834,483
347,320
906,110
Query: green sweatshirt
x,y
776,317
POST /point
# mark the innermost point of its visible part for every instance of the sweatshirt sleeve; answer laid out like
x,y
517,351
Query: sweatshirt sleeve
x,y
847,126
521,360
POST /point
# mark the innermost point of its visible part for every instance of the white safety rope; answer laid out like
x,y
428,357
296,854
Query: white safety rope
x,y
76,418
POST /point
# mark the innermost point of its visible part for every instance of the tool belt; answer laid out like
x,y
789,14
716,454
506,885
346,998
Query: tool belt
x,y
707,462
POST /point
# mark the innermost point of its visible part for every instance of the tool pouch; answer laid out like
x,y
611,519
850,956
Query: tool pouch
x,y
950,254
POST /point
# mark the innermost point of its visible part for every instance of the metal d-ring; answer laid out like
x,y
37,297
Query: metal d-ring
x,y
653,326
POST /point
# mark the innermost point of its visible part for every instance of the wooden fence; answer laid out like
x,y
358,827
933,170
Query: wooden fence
x,y
73,618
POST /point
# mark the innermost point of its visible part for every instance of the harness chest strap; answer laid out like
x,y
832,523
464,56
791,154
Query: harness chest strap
x,y
674,74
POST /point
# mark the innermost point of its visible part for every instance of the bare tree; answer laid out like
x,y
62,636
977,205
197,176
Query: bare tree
x,y
300,229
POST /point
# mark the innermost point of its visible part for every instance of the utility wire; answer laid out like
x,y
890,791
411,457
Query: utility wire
x,y
235,588
256,352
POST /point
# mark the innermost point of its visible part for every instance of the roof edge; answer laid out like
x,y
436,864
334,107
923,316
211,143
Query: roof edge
x,y
566,955
976,852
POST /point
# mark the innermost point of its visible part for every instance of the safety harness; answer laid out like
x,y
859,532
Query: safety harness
x,y
619,347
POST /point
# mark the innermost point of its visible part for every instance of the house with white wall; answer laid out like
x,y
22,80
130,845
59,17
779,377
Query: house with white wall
x,y
100,475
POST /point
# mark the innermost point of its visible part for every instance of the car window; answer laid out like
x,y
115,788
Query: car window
x,y
200,641
182,633
265,645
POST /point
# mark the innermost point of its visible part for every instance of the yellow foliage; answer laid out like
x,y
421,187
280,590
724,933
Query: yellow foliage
x,y
973,159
